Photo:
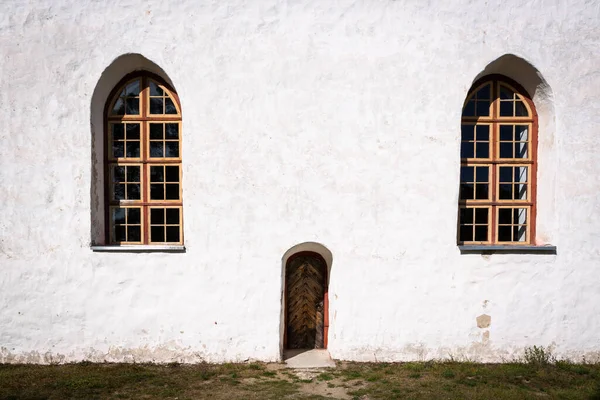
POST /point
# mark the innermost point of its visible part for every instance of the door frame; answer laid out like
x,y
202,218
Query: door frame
x,y
325,295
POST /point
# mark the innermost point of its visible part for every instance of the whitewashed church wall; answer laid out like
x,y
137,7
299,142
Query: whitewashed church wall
x,y
313,121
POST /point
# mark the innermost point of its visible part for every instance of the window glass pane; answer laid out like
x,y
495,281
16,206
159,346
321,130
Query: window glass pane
x,y
520,150
119,192
172,174
119,215
133,149
484,93
505,216
172,131
481,191
156,149
482,174
506,108
156,105
504,233
133,89
132,106
481,233
467,150
483,150
172,149
120,233
506,149
156,174
466,233
519,233
520,109
469,109
506,174
118,174
466,191
506,132
133,131
155,90
481,215
157,191
466,216
521,132
520,191
133,191
466,174
156,131
157,233
505,192
520,216
483,108
520,174
157,216
118,132
134,233
483,132
172,191
133,216
506,93
172,234
119,107
172,216
467,132
170,107
118,149
133,174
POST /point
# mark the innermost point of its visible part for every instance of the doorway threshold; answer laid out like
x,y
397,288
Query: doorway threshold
x,y
307,358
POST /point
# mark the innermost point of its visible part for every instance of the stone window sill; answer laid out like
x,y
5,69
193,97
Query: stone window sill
x,y
139,249
507,249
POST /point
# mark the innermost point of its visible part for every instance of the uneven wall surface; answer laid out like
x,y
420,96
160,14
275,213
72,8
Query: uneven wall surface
x,y
307,121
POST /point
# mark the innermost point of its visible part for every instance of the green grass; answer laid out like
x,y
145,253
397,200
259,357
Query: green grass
x,y
446,380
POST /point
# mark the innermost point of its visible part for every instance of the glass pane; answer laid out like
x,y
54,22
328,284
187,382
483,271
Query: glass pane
x,y
156,131
466,233
133,191
520,150
133,174
157,216
506,93
469,109
481,215
170,107
506,149
466,216
156,174
172,234
504,216
481,233
467,132
172,149
119,107
173,216
156,105
118,132
172,191
133,131
156,149
155,90
119,192
134,233
133,149
506,132
132,106
484,93
466,174
481,191
506,174
467,150
172,174
118,174
520,109
133,89
504,233
506,108
120,233
157,234
482,174
118,149
483,132
466,191
157,192
483,108
483,150
119,216
521,132
520,174
505,192
520,216
520,192
172,131
519,233
133,216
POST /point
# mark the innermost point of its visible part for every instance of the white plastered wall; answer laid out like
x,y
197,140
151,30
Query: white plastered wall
x,y
335,123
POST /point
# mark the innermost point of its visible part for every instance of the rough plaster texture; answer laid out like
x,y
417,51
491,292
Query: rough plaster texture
x,y
309,121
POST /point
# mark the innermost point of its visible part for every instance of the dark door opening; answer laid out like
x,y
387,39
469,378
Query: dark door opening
x,y
307,308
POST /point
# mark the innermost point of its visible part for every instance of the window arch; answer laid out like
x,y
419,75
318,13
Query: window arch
x,y
498,164
142,120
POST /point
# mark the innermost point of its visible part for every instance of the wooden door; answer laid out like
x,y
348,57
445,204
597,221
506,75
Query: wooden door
x,y
306,302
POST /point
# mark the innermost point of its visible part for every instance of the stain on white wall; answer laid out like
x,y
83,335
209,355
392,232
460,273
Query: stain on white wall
x,y
329,122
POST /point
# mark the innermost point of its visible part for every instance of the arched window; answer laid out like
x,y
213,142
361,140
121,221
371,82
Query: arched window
x,y
498,164
143,163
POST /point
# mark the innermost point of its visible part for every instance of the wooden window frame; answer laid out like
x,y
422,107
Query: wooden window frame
x,y
144,161
494,162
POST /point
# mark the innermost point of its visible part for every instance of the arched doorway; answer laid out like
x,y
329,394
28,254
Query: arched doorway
x,y
306,301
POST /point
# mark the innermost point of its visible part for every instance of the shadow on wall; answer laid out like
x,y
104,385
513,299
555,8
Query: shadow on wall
x,y
120,67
